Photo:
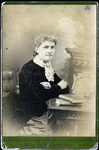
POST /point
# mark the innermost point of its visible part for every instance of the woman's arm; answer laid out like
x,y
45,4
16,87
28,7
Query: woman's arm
x,y
37,88
26,78
57,81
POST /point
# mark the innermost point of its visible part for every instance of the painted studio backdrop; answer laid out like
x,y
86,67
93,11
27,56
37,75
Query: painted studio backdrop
x,y
75,29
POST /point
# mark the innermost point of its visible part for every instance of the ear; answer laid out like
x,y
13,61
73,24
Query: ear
x,y
36,49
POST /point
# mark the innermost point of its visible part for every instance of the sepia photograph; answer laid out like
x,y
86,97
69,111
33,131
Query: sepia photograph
x,y
49,70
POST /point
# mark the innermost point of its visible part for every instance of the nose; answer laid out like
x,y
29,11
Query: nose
x,y
49,50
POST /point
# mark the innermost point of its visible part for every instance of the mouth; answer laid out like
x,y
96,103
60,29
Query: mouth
x,y
48,55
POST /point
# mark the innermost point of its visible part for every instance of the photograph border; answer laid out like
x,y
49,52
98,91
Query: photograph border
x,y
23,142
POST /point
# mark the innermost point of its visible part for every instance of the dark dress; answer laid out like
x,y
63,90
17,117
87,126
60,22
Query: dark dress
x,y
33,95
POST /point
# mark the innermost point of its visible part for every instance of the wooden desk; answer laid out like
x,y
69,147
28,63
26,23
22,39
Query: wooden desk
x,y
71,120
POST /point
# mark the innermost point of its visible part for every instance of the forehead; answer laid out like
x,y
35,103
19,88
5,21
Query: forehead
x,y
48,43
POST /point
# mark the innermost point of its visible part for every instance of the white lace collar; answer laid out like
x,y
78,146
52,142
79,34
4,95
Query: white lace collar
x,y
49,72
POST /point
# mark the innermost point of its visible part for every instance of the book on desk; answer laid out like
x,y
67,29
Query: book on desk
x,y
70,99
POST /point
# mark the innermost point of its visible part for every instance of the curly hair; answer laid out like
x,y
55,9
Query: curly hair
x,y
41,38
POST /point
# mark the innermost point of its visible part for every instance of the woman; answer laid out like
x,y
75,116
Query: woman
x,y
38,81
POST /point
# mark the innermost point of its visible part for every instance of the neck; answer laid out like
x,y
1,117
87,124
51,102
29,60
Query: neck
x,y
37,58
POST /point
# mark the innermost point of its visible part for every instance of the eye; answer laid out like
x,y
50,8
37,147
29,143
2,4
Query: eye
x,y
46,47
52,47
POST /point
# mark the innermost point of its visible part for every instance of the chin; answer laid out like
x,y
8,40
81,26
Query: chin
x,y
48,58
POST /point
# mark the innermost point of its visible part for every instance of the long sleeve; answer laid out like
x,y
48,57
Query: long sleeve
x,y
32,83
30,78
53,92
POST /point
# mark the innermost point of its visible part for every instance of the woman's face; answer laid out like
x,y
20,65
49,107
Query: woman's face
x,y
46,50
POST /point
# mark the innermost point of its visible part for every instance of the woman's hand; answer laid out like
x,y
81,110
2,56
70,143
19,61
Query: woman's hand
x,y
63,84
46,85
